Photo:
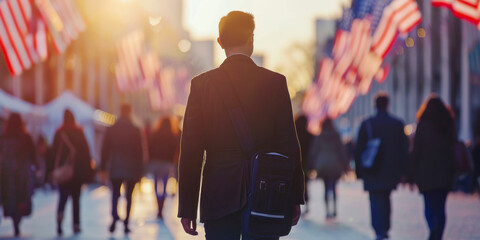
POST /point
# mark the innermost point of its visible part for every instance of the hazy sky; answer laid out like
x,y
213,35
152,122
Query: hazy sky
x,y
279,23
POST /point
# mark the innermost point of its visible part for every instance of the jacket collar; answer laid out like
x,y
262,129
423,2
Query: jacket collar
x,y
382,113
237,58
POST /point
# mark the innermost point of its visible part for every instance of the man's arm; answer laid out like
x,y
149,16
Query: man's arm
x,y
361,142
288,141
404,147
105,154
191,154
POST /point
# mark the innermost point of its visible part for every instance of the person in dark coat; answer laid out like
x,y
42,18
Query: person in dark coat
x,y
163,149
433,161
17,159
390,163
329,158
305,140
122,157
265,101
476,161
70,140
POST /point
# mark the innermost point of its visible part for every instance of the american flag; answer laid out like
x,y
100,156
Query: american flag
x,y
63,19
364,36
136,67
465,9
400,16
162,93
22,35
24,25
341,37
128,67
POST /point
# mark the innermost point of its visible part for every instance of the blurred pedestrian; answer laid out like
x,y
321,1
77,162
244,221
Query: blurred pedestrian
x,y
42,150
122,157
164,146
17,161
72,167
476,160
329,158
382,175
433,161
305,140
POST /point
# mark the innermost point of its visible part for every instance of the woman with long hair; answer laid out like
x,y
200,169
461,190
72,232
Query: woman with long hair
x,y
70,147
329,158
163,148
17,159
433,160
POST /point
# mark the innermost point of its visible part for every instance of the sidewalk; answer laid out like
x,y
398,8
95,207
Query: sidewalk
x,y
353,221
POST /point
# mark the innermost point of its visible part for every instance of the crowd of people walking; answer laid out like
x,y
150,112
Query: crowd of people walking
x,y
431,160
68,165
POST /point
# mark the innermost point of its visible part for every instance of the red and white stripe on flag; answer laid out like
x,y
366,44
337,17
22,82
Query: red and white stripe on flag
x,y
340,44
54,24
12,38
464,9
133,63
467,9
400,16
22,36
63,20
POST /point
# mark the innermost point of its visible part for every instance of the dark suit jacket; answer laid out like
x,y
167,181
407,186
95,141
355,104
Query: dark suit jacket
x,y
392,159
207,128
122,153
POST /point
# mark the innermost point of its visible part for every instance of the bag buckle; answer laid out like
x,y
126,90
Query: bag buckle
x,y
263,185
282,188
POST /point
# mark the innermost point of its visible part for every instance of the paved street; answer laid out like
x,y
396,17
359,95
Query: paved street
x,y
353,222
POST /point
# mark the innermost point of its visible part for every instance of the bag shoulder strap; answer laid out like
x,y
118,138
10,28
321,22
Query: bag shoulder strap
x,y
225,89
65,141
59,153
368,125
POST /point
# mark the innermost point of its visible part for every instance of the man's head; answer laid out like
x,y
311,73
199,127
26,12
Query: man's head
x,y
381,101
236,32
125,110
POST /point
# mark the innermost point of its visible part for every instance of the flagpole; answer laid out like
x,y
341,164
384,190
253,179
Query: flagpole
x,y
412,80
77,74
91,80
60,73
465,126
427,49
39,84
103,82
17,86
401,83
445,57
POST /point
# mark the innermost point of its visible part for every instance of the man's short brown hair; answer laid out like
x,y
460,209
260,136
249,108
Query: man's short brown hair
x,y
236,28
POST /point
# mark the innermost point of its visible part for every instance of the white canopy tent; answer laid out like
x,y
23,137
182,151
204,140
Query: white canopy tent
x,y
9,103
30,113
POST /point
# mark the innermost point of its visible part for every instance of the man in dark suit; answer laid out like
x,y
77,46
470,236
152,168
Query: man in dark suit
x,y
122,156
265,101
389,166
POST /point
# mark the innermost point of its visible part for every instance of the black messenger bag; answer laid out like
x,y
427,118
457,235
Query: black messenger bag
x,y
269,175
